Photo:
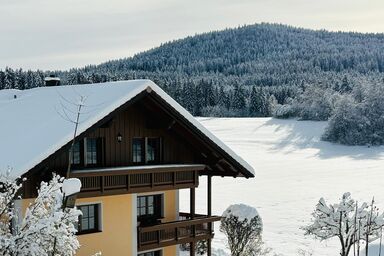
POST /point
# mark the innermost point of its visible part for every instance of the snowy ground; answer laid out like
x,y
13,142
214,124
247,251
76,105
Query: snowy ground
x,y
293,170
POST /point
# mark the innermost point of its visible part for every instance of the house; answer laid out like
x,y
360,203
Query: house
x,y
135,148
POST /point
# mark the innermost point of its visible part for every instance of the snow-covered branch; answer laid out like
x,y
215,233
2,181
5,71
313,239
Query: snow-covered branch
x,y
347,220
47,229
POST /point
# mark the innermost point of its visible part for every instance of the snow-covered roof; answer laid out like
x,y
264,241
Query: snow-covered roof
x,y
35,123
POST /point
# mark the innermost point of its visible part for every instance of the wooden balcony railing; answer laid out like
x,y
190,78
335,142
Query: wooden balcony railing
x,y
136,180
183,231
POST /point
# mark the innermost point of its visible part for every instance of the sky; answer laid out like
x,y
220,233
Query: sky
x,y
62,34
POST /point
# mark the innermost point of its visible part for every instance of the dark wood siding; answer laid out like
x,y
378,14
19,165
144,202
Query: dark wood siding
x,y
147,115
131,123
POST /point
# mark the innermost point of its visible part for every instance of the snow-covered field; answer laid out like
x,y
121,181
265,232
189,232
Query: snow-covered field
x,y
293,170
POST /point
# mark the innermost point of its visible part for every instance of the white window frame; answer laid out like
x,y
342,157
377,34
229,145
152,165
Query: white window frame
x,y
100,213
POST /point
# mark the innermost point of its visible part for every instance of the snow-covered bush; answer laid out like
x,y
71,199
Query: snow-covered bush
x,y
47,228
348,125
347,221
358,119
243,227
316,103
284,111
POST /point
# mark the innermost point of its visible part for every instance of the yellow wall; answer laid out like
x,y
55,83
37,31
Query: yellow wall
x,y
116,238
170,215
170,205
170,251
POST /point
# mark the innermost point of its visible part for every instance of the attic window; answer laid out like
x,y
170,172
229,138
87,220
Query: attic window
x,y
152,146
76,153
92,151
87,152
137,150
146,150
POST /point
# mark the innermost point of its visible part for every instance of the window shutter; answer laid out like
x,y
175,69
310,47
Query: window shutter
x,y
158,150
159,202
99,150
97,220
143,150
81,142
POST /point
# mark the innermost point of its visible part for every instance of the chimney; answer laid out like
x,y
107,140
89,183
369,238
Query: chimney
x,y
52,80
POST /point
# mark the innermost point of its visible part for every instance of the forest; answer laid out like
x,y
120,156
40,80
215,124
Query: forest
x,y
254,70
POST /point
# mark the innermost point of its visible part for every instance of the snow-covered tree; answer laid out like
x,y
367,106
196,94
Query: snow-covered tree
x,y
238,101
243,227
316,103
358,119
48,228
347,221
285,111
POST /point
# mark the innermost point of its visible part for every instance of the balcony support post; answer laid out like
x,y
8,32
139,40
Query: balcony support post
x,y
192,202
209,212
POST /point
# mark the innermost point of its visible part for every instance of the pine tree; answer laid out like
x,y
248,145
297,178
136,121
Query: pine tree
x,y
238,102
345,86
264,103
254,104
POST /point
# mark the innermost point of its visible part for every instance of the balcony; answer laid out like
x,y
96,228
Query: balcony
x,y
137,179
185,230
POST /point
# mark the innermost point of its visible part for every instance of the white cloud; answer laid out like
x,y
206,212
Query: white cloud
x,y
52,34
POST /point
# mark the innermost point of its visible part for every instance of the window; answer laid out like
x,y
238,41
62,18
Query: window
x,y
138,150
87,152
153,253
146,150
92,151
89,220
76,154
152,151
149,207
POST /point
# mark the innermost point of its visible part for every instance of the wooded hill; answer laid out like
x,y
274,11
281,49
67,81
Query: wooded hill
x,y
243,71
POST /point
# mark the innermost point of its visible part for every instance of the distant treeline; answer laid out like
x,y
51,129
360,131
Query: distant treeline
x,y
257,70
